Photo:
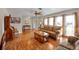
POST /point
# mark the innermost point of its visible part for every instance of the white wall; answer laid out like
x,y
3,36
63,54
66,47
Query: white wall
x,y
3,12
26,20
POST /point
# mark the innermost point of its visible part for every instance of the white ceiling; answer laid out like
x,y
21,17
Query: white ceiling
x,y
29,12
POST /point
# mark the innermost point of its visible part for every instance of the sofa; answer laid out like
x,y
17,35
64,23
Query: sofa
x,y
52,31
72,41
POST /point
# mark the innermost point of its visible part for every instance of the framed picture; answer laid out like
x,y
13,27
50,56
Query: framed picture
x,y
15,20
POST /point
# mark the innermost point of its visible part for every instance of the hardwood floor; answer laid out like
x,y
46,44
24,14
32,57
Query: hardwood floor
x,y
26,41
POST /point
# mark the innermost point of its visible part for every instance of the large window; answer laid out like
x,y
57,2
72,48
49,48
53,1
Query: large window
x,y
58,21
45,21
69,25
51,21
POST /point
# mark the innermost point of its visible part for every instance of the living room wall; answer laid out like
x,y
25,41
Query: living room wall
x,y
3,12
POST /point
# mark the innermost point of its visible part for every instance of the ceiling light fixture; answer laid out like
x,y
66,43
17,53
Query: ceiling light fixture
x,y
38,12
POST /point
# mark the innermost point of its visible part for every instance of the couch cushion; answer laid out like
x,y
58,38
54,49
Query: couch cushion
x,y
50,28
45,27
57,27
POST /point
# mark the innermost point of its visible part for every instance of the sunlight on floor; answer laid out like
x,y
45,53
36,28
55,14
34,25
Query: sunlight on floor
x,y
50,46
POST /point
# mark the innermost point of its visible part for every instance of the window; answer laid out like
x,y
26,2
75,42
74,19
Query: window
x,y
58,21
69,25
46,21
51,21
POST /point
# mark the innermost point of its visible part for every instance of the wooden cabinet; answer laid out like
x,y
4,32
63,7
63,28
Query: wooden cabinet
x,y
6,22
7,28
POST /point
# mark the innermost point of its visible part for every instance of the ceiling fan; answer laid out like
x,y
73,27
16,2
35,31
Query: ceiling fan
x,y
38,12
